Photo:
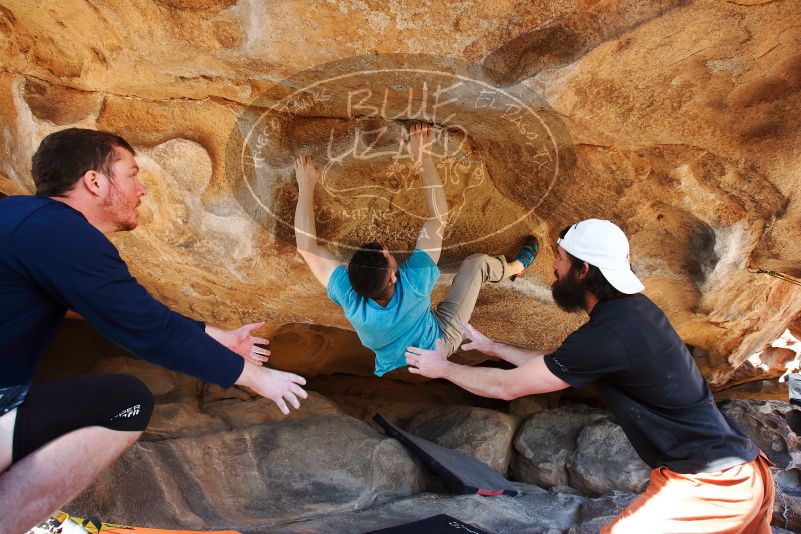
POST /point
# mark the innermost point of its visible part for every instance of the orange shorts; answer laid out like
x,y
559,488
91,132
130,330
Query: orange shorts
x,y
736,500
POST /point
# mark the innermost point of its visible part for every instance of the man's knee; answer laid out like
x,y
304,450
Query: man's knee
x,y
51,410
491,268
134,404
474,260
477,257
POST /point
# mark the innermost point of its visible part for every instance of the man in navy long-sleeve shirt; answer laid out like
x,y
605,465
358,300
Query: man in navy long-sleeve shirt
x,y
55,438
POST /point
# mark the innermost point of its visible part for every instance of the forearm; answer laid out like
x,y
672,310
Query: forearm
x,y
248,376
305,227
436,203
483,381
214,332
517,356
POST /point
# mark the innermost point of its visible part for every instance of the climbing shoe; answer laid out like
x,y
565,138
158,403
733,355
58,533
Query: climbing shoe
x,y
527,254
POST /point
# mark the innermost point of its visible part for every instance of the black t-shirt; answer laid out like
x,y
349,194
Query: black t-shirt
x,y
649,380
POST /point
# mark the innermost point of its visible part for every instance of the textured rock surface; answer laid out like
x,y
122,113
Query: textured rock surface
x,y
594,513
259,476
525,407
605,461
534,511
685,137
186,407
399,402
773,425
222,458
546,441
483,434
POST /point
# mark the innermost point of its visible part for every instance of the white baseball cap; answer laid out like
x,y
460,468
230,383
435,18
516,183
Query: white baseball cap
x,y
603,244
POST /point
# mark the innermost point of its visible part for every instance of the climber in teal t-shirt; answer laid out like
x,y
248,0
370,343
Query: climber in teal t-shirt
x,y
389,305
406,318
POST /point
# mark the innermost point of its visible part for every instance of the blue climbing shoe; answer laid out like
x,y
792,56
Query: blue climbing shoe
x,y
527,254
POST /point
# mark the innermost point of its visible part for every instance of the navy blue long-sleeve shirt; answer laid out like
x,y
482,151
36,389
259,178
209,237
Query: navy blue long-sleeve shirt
x,y
51,260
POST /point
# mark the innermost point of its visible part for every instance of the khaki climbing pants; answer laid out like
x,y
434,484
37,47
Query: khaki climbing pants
x,y
459,303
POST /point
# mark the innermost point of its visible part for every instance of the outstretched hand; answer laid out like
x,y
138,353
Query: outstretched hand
x,y
430,363
421,138
478,341
242,341
306,172
278,386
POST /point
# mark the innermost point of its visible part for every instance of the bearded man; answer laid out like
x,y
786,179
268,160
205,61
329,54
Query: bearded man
x,y
707,475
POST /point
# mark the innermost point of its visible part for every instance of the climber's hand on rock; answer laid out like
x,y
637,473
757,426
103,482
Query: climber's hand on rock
x,y
278,386
421,138
430,363
306,172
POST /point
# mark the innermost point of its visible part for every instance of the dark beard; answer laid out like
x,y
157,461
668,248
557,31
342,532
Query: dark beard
x,y
568,293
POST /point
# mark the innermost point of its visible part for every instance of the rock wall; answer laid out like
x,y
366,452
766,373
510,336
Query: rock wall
x,y
677,119
222,458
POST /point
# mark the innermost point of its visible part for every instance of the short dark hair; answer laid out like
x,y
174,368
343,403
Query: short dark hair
x,y
595,282
368,269
64,156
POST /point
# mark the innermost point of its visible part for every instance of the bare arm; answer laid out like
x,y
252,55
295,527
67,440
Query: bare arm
x,y
532,378
321,262
419,146
515,355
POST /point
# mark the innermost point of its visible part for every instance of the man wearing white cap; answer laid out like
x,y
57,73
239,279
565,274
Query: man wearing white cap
x,y
707,475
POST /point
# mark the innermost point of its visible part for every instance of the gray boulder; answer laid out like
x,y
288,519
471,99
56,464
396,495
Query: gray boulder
x,y
773,425
259,476
525,407
605,460
594,513
478,432
534,511
238,413
546,441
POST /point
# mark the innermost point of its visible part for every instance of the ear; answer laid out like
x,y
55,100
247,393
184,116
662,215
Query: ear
x,y
585,270
92,182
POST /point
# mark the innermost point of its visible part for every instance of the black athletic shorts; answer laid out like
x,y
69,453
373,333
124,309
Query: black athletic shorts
x,y
52,409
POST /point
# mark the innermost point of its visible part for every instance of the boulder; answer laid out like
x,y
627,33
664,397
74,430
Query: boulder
x,y
254,477
594,513
180,419
787,503
773,425
166,386
483,434
605,460
534,511
242,414
525,407
546,441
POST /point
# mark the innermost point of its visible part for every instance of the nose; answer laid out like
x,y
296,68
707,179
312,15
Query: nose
x,y
142,189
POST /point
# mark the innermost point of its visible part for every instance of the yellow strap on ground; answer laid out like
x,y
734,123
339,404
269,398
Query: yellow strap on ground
x,y
90,525
111,528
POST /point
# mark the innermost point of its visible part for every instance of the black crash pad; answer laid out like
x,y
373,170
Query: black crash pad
x,y
463,473
438,524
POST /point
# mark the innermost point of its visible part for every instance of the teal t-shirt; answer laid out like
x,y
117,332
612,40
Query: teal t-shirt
x,y
406,321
